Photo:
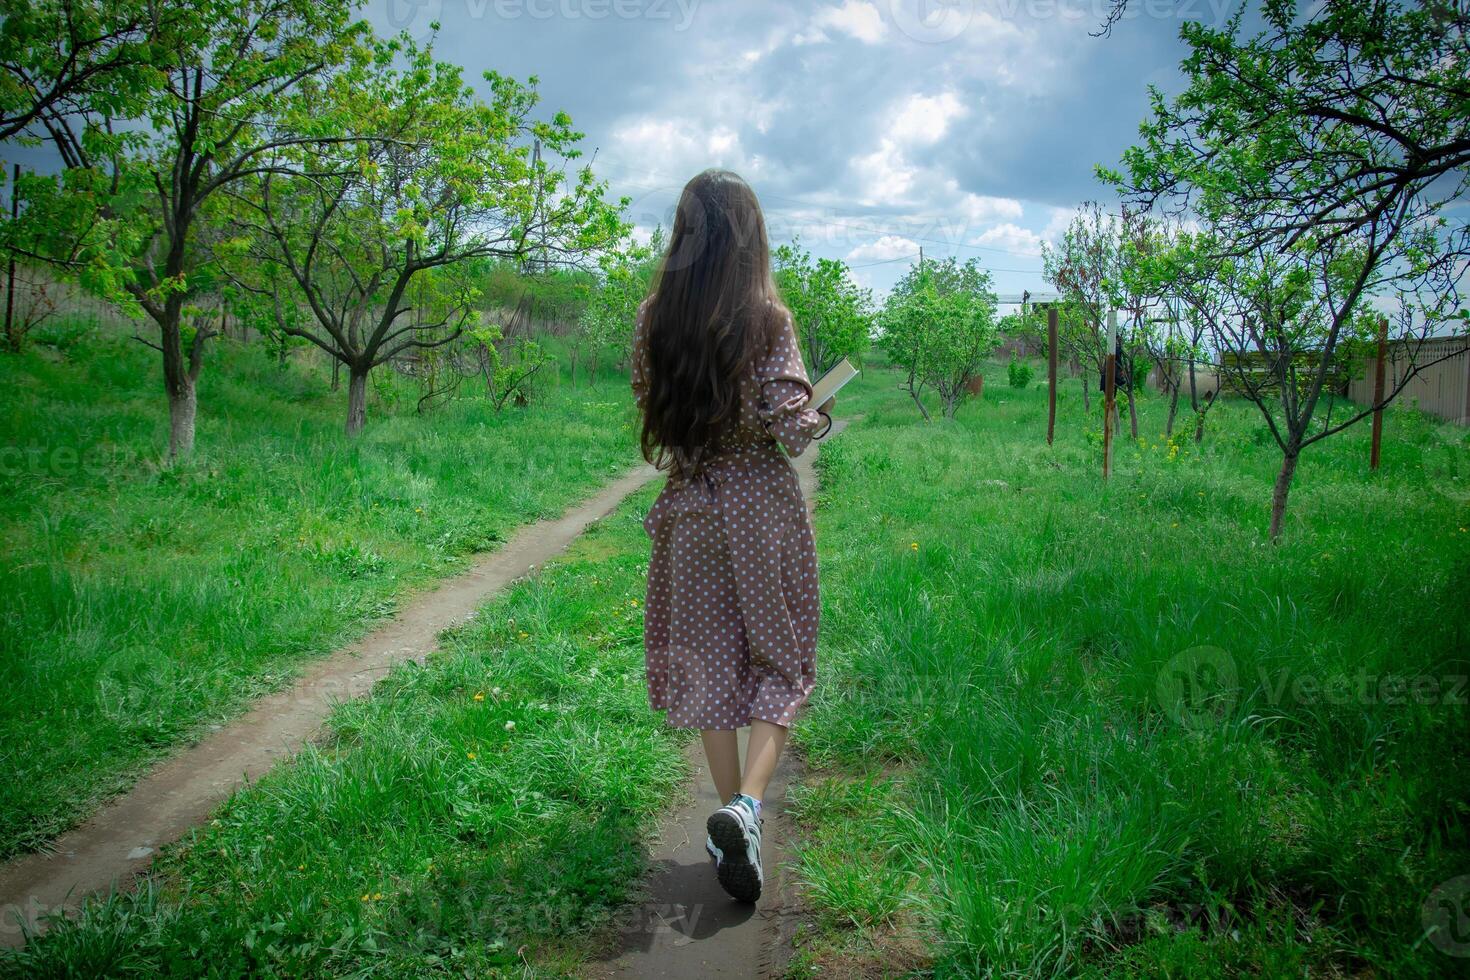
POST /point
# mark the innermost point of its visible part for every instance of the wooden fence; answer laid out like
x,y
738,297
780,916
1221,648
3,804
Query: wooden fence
x,y
1441,389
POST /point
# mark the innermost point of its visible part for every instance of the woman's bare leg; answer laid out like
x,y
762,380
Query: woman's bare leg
x,y
761,755
723,752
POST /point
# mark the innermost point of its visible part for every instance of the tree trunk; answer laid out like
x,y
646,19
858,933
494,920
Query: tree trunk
x,y
183,406
356,400
1133,413
1283,487
1173,410
336,375
1086,395
914,394
180,370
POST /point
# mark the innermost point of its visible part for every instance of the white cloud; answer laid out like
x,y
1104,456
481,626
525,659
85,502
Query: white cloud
x,y
980,208
924,119
885,176
1057,224
886,248
854,18
1011,238
680,146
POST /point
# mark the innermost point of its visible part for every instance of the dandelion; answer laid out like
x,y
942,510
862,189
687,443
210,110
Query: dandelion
x,y
633,603
366,897
913,546
479,695
470,756
377,896
510,726
300,867
523,634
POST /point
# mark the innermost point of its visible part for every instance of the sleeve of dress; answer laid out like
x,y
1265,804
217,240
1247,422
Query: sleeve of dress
x,y
785,407
640,358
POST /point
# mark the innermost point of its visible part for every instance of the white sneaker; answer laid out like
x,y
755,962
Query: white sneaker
x,y
735,844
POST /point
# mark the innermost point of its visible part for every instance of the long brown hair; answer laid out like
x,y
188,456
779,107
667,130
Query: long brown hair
x,y
713,307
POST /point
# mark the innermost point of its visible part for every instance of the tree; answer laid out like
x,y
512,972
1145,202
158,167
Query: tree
x,y
939,323
1198,306
833,315
607,322
1084,269
68,60
418,178
1320,154
151,161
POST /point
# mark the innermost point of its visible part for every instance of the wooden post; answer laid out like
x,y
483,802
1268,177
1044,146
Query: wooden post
x,y
1051,373
1378,381
1110,383
10,270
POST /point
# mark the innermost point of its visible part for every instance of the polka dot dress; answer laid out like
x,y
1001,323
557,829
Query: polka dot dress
x,y
730,622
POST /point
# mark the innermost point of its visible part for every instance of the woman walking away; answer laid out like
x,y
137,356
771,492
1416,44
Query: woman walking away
x,y
730,628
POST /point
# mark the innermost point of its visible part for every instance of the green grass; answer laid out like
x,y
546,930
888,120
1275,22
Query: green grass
x,y
1021,769
1060,728
480,815
143,603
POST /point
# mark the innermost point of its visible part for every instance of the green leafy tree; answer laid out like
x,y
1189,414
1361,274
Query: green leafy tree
x,y
153,159
1320,153
376,230
68,61
939,324
833,315
607,322
1084,267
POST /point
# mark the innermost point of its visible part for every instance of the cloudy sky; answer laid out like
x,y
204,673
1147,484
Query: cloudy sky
x,y
869,128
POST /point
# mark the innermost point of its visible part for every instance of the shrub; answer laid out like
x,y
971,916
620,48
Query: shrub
x,y
1019,372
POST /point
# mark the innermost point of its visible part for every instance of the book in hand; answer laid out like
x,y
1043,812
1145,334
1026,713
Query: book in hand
x,y
831,382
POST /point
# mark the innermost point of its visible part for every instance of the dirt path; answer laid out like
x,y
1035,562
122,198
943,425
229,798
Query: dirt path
x,y
119,841
686,926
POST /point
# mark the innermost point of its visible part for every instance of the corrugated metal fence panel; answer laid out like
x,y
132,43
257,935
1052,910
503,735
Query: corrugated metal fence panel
x,y
1442,389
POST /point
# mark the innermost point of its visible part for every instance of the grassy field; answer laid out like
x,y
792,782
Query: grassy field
x,y
1061,728
480,815
1068,728
143,604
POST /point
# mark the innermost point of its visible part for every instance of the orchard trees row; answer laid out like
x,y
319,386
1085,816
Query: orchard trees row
x,y
278,149
1301,195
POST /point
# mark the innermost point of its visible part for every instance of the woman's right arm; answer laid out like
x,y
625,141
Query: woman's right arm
x,y
786,410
